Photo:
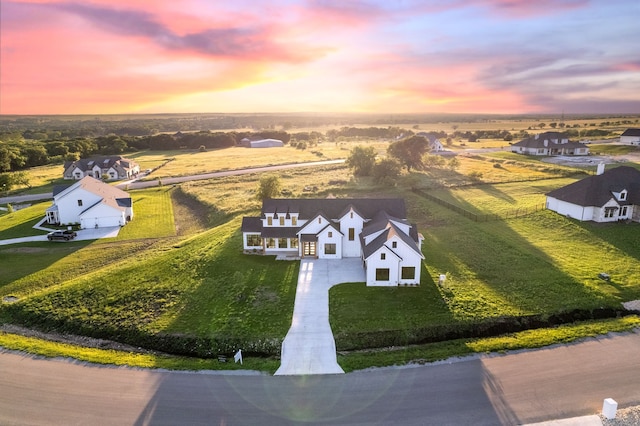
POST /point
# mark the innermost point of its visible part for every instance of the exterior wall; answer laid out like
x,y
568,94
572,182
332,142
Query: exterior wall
x,y
102,216
68,208
324,239
351,248
600,214
570,210
375,261
631,140
409,258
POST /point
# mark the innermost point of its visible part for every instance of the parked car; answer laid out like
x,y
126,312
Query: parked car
x,y
61,235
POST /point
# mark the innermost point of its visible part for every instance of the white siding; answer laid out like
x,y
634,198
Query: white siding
x,y
68,205
324,239
351,220
102,216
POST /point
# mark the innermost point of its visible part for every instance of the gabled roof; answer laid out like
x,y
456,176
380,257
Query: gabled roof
x,y
391,231
333,208
631,132
251,224
537,141
85,164
94,186
597,190
381,221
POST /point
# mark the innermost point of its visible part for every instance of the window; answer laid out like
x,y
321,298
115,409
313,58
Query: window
x,y
329,249
80,203
282,243
269,221
281,220
623,195
271,243
294,243
254,240
383,256
351,215
408,273
352,234
609,211
623,213
330,234
294,221
382,274
394,244
319,220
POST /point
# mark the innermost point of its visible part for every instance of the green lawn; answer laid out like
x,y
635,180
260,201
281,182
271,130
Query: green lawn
x,y
20,223
153,215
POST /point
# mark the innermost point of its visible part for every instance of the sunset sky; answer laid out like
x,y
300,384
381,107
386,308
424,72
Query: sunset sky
x,y
445,56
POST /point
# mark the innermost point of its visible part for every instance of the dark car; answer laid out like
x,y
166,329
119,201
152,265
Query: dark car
x,y
61,235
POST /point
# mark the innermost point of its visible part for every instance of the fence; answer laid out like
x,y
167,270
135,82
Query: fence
x,y
513,214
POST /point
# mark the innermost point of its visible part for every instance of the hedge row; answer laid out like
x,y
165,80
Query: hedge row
x,y
353,340
213,346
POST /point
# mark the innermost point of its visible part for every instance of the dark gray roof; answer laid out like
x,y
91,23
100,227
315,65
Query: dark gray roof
x,y
597,190
537,141
279,232
385,236
124,202
251,224
380,222
103,162
631,132
334,208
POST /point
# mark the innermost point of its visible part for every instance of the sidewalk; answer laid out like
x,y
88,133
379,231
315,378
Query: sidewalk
x,y
309,347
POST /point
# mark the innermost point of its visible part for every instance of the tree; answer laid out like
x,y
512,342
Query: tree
x,y
269,187
454,163
409,151
386,171
361,160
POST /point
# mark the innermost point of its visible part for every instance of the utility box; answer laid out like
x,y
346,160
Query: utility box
x,y
609,408
442,279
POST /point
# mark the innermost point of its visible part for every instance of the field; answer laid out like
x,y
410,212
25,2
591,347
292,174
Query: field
x,y
176,280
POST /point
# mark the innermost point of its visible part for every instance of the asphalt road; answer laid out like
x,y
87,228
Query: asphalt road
x,y
525,387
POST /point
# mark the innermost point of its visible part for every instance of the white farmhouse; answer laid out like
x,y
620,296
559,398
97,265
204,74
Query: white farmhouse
x,y
605,197
376,230
91,204
549,143
112,167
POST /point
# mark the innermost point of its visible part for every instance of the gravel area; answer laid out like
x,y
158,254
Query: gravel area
x,y
624,417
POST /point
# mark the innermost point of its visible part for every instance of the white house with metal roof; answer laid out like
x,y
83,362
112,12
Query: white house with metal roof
x,y
376,230
91,204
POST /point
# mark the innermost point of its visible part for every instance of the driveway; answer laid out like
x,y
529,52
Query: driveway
x,y
83,234
309,347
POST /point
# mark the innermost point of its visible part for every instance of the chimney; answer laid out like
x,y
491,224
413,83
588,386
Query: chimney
x,y
600,169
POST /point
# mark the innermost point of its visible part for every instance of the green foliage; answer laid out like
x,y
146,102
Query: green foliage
x,y
362,159
409,152
386,171
10,180
270,187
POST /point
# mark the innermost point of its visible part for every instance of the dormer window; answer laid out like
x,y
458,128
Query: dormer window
x,y
623,195
294,221
281,220
269,221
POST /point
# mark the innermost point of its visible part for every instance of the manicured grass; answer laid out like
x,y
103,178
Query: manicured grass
x,y
153,215
20,223
203,286
112,357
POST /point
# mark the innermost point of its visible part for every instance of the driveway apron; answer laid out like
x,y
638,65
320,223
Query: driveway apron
x,y
309,347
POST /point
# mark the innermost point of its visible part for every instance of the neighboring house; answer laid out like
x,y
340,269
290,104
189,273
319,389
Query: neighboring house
x,y
605,197
434,143
262,143
631,137
112,167
549,143
91,204
375,230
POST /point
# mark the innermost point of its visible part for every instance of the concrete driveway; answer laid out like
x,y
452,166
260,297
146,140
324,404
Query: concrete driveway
x,y
83,234
309,347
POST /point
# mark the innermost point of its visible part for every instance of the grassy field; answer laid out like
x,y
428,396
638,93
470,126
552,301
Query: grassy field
x,y
152,280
